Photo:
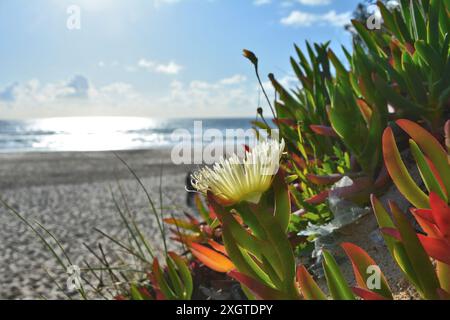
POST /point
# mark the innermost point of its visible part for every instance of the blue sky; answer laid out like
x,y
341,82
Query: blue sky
x,y
159,58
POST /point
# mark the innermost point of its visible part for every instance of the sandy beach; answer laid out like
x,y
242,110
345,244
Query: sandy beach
x,y
70,193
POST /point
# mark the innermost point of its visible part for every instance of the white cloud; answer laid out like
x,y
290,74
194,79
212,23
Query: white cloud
x,y
170,68
229,96
298,18
77,96
305,19
236,79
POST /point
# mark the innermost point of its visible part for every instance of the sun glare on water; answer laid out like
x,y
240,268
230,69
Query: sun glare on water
x,y
92,133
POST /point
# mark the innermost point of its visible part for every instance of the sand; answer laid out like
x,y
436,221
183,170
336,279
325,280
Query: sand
x,y
70,194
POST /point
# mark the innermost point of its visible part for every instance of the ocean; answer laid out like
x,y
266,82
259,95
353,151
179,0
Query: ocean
x,y
113,133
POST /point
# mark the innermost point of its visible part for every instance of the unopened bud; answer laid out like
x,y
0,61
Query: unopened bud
x,y
251,56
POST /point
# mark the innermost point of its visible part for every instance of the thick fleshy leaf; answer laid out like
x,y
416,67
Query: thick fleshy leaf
x,y
210,258
319,198
323,130
288,122
419,258
260,290
361,261
384,221
443,272
203,211
432,148
212,213
426,221
431,181
367,294
174,279
309,288
436,248
441,214
240,236
160,281
399,173
324,180
281,254
366,111
241,259
392,232
437,174
185,274
337,284
217,246
392,239
182,224
282,200
443,295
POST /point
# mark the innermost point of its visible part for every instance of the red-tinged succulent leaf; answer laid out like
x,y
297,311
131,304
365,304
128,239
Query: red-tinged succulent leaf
x,y
399,173
260,290
394,233
438,249
436,175
181,224
120,298
429,176
431,147
416,253
367,294
212,213
192,219
366,111
308,287
145,293
289,122
210,258
324,180
425,219
443,295
187,238
323,130
384,221
319,198
411,49
361,261
441,214
162,290
425,214
217,246
299,162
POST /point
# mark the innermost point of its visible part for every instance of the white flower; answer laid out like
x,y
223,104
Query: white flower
x,y
234,180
